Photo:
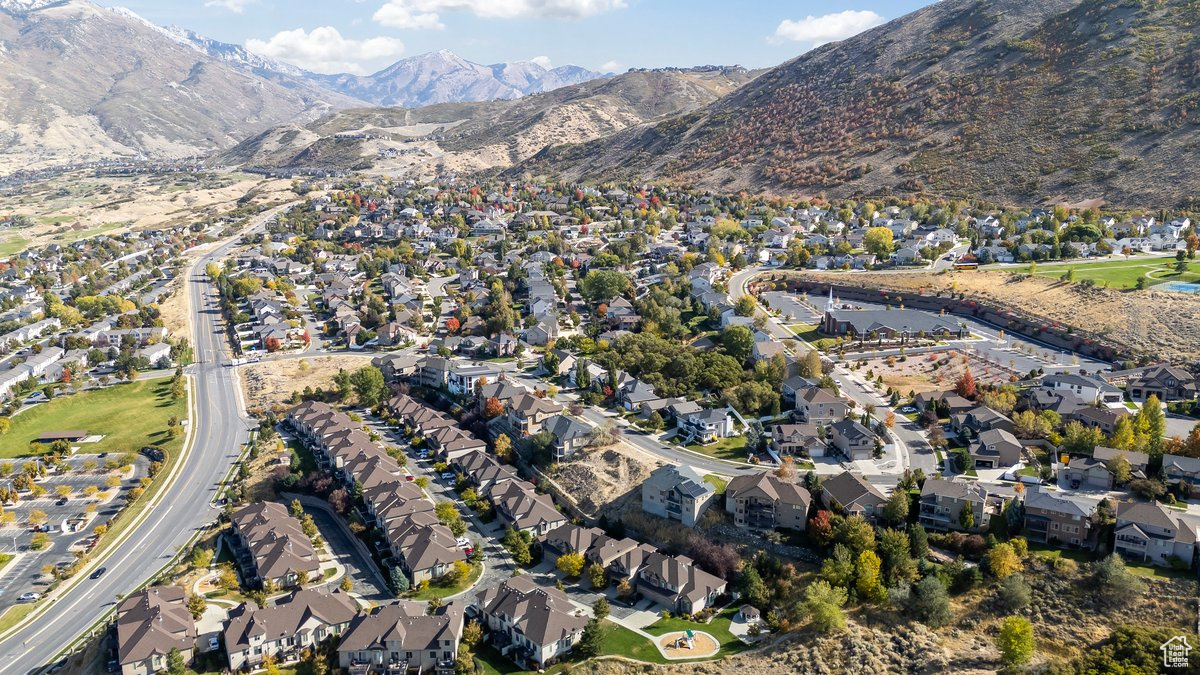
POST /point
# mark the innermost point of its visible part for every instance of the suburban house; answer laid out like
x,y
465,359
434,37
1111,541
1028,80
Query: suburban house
x,y
1178,469
272,546
527,414
765,501
532,625
1056,519
150,624
944,504
1093,390
679,493
980,419
848,494
803,440
705,425
889,324
520,507
294,623
570,435
1085,472
402,637
569,538
853,439
1137,460
1168,383
1150,533
678,583
819,406
995,449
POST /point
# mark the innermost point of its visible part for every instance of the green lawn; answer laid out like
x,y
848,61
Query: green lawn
x,y
13,245
15,615
618,641
806,332
1122,273
733,448
436,590
129,416
5,558
717,482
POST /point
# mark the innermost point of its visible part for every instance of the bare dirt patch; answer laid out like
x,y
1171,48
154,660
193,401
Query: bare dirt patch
x,y
268,385
597,477
934,371
1158,324
675,646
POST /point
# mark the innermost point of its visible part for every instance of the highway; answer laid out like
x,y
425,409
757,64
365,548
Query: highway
x,y
219,427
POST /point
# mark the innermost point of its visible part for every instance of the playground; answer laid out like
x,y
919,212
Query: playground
x,y
688,644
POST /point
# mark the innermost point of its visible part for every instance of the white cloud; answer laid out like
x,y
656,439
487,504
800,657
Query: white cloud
x,y
424,13
394,15
235,6
818,30
543,61
610,67
324,50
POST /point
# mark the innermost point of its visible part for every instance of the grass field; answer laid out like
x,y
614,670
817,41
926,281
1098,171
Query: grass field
x,y
5,558
732,449
436,590
1122,273
15,615
717,482
129,416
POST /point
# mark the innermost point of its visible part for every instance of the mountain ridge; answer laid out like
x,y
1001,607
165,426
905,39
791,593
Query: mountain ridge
x,y
1014,101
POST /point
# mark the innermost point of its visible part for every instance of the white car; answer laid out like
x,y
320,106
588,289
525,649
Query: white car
x,y
463,542
29,597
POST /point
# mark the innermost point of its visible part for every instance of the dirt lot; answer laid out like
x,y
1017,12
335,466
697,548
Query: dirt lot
x,y
934,371
1160,324
79,205
596,477
269,384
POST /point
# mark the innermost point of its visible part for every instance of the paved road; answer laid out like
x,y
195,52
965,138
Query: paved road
x,y
912,448
219,428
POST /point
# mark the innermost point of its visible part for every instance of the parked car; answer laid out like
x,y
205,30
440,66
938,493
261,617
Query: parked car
x,y
213,643
448,476
463,542
29,597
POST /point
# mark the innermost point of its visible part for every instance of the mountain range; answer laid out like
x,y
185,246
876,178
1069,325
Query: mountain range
x,y
79,82
1012,101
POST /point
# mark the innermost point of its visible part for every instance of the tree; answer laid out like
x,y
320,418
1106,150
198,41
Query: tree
x,y
744,306
597,576
929,602
518,546
398,580
5,425
590,643
1003,561
1015,640
895,510
1121,469
965,386
603,285
867,579
824,603
838,568
918,542
820,529
600,608
369,386
196,605
1114,583
1154,423
503,447
811,365
750,584
1013,593
966,517
452,325
738,342
879,240
347,584
175,663
492,407
855,532
570,564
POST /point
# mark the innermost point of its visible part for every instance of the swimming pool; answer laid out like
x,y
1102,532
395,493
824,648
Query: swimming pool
x,y
1179,287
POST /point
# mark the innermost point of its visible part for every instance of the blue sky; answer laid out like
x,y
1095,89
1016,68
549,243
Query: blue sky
x,y
366,35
